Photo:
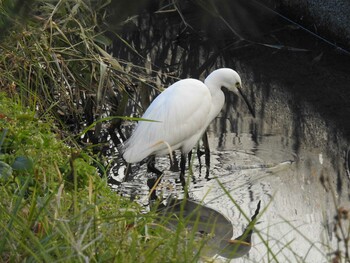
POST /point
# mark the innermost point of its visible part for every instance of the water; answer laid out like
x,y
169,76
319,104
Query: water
x,y
299,138
299,211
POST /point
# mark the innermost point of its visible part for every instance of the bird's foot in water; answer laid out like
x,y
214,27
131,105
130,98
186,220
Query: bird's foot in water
x,y
152,169
174,167
152,184
174,164
200,153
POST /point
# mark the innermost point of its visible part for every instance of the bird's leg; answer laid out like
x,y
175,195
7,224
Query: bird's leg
x,y
127,172
174,165
151,167
190,166
189,156
153,182
207,153
206,149
182,173
199,154
182,170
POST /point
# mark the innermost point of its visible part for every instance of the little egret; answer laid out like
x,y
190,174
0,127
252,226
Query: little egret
x,y
181,115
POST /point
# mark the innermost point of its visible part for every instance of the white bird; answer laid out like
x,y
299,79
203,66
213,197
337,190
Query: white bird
x,y
182,114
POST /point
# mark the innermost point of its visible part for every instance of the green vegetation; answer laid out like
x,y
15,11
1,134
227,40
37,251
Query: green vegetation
x,y
57,60
57,78
55,208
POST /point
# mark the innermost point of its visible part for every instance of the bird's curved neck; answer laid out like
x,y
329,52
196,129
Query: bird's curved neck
x,y
218,99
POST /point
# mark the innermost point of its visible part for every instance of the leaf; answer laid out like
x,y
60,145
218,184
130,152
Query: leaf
x,y
111,60
5,171
103,40
22,163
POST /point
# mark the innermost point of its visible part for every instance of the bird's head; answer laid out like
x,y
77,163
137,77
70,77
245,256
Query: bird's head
x,y
225,77
232,81
228,78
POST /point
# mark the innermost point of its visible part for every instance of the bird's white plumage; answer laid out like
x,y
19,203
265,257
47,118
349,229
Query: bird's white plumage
x,y
183,112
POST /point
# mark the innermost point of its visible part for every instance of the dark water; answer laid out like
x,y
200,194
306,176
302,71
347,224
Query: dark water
x,y
293,156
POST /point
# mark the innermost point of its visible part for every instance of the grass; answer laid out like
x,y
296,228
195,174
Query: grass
x,y
58,209
60,65
56,206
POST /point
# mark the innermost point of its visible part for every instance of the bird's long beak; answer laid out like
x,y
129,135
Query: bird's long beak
x,y
246,102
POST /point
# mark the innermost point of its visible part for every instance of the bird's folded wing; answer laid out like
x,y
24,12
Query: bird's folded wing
x,y
181,111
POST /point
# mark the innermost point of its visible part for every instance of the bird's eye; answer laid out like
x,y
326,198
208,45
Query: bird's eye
x,y
237,84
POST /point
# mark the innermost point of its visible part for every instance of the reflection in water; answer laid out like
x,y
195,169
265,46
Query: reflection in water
x,y
300,133
211,226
